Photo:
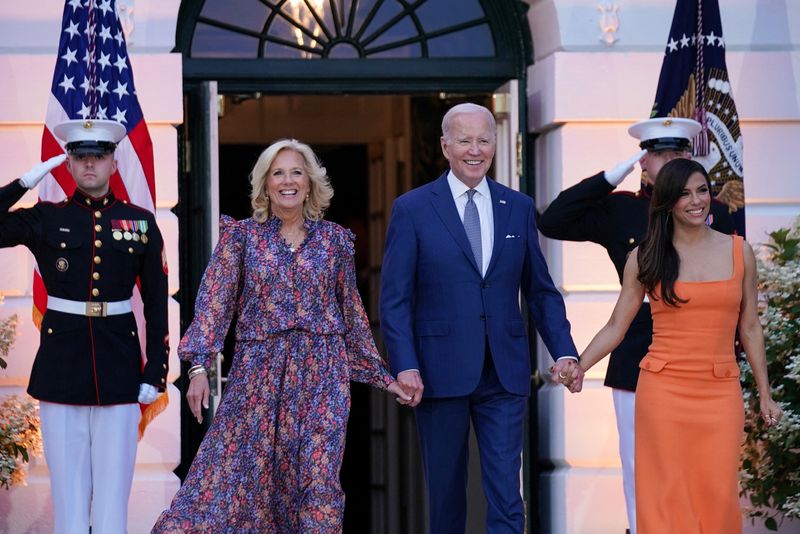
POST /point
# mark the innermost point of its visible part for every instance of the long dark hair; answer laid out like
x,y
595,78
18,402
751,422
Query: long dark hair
x,y
658,259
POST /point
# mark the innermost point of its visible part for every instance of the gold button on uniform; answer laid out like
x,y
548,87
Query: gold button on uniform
x,y
63,245
631,241
164,365
97,260
163,380
133,333
97,215
130,250
96,276
98,228
98,243
49,330
105,202
95,292
88,202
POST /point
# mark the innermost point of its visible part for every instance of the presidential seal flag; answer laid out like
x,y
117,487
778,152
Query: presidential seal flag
x,y
694,83
93,80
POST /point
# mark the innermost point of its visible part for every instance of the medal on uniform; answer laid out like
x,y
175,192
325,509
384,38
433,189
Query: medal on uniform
x,y
126,227
116,229
62,265
144,239
135,236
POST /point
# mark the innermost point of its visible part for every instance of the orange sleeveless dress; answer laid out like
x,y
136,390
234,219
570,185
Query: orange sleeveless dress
x,y
690,412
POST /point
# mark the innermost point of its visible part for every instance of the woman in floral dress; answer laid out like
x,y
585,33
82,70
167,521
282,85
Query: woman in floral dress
x,y
271,458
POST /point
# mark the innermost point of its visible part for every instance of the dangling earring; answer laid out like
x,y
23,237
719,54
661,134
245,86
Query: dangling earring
x,y
306,199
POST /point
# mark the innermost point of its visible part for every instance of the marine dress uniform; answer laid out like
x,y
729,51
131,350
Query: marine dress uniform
x,y
88,370
592,211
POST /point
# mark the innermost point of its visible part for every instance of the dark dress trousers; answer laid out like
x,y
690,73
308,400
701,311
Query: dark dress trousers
x,y
86,251
591,211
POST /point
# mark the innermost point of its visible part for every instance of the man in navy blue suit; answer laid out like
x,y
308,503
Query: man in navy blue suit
x,y
459,251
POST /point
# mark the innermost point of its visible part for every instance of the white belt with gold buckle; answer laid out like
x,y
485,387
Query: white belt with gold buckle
x,y
89,309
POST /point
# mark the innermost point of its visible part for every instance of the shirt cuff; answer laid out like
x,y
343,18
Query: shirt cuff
x,y
565,357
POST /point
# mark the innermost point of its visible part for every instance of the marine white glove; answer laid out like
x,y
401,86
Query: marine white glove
x,y
147,393
40,170
623,169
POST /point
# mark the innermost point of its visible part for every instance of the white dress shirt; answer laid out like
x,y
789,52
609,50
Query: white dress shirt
x,y
483,201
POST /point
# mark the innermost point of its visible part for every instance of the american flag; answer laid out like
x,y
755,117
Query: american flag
x,y
93,80
694,83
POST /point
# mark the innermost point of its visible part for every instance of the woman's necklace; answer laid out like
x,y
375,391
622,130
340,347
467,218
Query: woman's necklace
x,y
294,238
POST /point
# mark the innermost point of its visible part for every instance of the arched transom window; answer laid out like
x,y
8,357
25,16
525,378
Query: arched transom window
x,y
342,29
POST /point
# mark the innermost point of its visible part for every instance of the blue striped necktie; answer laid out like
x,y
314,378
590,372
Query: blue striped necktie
x,y
472,225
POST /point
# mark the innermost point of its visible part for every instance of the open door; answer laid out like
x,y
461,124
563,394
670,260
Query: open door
x,y
508,158
398,488
198,221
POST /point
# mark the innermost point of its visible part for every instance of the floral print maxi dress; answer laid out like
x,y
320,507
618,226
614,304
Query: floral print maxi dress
x,y
271,458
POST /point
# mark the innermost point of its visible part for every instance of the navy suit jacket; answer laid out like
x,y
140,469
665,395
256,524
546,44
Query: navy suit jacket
x,y
437,311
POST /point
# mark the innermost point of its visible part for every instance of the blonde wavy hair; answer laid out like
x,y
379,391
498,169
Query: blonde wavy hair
x,y
319,196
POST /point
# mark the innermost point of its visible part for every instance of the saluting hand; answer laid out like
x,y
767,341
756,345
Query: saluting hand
x,y
624,168
197,395
40,170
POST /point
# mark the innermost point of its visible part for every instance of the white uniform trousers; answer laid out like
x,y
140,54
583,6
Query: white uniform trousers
x,y
624,407
90,452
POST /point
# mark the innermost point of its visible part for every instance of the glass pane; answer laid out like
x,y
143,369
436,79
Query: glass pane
x,y
369,18
343,51
472,42
399,32
212,42
300,12
437,14
363,8
248,14
282,29
279,51
386,11
408,51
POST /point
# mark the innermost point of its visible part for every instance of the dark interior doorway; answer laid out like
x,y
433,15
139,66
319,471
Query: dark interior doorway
x,y
374,148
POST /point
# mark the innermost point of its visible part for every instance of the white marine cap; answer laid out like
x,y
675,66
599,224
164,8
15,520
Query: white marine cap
x,y
90,136
665,133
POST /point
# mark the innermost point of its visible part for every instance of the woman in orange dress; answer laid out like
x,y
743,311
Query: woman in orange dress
x,y
689,409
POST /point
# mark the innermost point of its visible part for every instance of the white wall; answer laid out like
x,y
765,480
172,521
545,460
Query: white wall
x,y
29,33
582,95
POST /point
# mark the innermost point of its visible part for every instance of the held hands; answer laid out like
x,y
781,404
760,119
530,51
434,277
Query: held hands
x,y
770,411
397,391
617,174
568,372
147,393
40,170
411,384
197,395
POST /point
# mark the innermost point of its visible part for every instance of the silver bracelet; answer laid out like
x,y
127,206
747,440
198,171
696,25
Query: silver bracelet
x,y
196,370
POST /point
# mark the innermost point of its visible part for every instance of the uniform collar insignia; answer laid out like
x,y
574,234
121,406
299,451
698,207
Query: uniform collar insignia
x,y
99,203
